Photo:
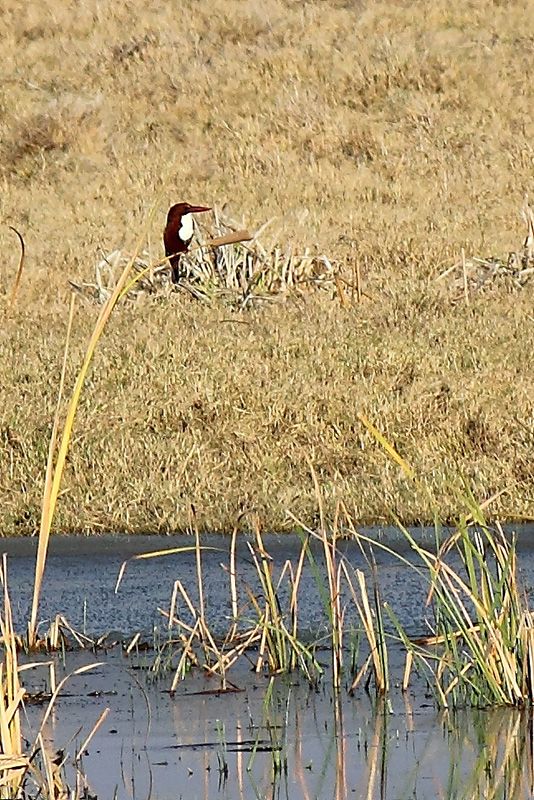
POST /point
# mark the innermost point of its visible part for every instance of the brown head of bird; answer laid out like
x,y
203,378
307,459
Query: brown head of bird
x,y
178,234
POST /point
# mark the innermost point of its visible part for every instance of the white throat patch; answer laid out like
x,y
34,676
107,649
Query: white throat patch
x,y
185,231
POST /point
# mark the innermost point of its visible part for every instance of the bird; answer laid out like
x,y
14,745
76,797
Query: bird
x,y
178,234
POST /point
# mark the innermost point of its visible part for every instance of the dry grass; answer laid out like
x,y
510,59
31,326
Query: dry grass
x,y
389,136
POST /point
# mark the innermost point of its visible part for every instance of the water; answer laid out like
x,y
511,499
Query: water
x,y
201,746
277,739
81,574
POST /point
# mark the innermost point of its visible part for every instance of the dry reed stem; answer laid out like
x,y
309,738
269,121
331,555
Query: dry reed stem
x,y
390,450
464,275
293,602
233,583
367,618
156,554
54,472
200,583
172,606
48,503
135,639
15,763
187,653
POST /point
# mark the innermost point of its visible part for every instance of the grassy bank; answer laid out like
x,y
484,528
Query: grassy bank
x,y
222,411
389,137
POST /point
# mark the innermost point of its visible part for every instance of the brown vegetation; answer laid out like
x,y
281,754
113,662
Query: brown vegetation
x,y
389,137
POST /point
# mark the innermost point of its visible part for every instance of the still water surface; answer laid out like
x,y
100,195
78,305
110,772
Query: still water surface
x,y
81,573
202,746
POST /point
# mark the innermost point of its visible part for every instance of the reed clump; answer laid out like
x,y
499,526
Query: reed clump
x,y
481,651
238,275
29,769
261,629
265,627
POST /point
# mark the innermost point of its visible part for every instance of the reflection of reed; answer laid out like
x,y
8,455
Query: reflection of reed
x,y
408,713
303,770
502,766
341,751
239,760
193,725
378,753
357,749
206,770
299,768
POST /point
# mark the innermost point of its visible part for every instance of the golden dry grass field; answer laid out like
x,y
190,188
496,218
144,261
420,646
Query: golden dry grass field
x,y
389,136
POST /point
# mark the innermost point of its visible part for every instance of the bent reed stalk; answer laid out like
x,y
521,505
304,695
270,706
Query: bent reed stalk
x,y
54,471
56,461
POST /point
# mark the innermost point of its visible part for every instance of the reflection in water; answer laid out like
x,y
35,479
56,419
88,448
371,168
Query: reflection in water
x,y
278,739
501,746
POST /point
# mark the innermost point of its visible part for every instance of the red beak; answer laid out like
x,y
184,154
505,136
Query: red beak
x,y
197,209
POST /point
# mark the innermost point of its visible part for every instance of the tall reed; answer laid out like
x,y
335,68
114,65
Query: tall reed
x,y
56,461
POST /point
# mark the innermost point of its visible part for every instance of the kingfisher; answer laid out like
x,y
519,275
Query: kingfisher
x,y
178,234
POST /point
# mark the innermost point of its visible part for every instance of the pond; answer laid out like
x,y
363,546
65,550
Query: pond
x,y
265,736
